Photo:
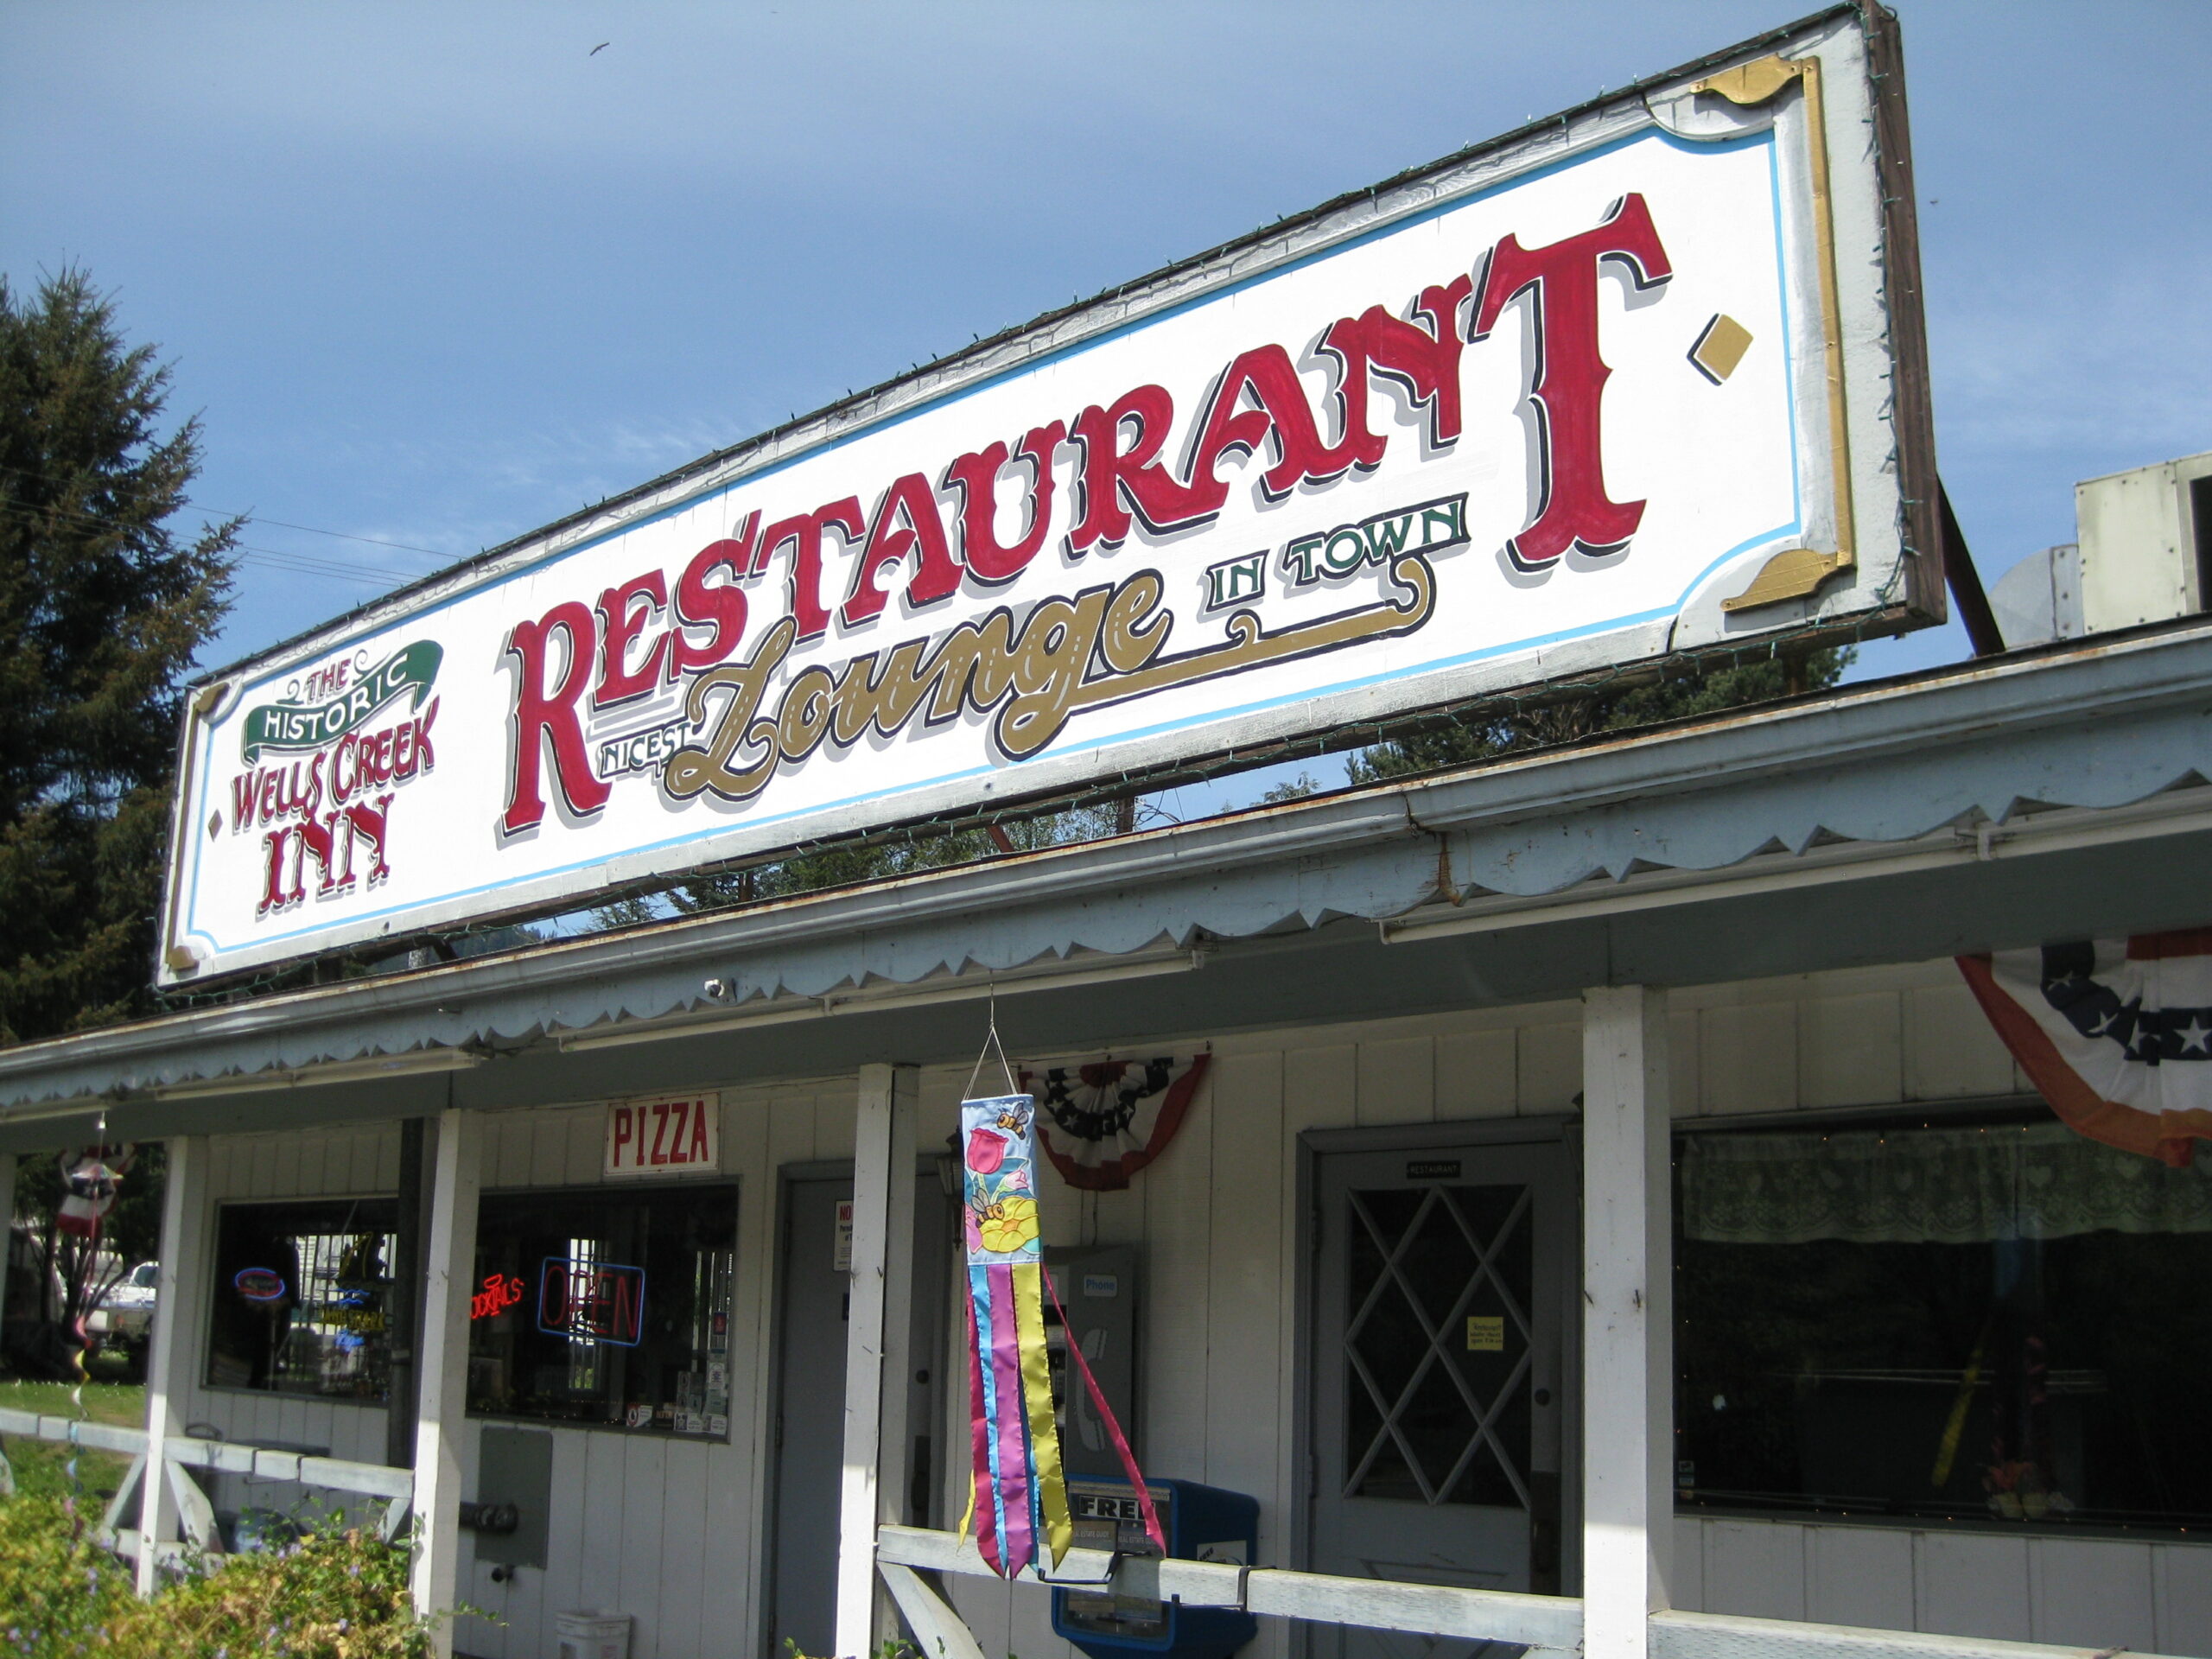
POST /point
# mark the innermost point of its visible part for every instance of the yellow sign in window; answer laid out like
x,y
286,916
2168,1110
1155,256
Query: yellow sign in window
x,y
1485,1333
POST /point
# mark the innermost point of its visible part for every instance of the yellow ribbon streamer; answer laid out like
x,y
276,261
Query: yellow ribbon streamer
x,y
1036,1396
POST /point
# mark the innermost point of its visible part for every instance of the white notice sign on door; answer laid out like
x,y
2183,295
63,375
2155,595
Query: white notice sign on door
x,y
841,1251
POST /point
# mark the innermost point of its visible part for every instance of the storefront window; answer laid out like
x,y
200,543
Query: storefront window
x,y
2000,1323
300,1297
605,1305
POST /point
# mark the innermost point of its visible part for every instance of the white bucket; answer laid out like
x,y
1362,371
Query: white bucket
x,y
588,1633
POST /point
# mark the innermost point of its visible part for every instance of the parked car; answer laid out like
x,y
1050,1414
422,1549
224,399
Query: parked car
x,y
124,1320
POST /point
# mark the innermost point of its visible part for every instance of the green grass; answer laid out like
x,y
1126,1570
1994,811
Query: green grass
x,y
41,1466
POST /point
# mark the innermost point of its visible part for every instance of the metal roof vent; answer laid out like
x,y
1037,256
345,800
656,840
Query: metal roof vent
x,y
2146,542
2145,556
2039,599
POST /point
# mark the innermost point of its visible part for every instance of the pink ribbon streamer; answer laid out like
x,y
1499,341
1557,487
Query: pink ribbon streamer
x,y
1013,1489
987,1526
1151,1527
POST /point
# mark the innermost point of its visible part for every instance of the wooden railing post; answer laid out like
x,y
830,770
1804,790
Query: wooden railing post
x,y
6,1187
1627,1320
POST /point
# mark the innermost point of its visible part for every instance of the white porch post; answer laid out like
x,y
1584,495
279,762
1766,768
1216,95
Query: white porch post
x,y
441,1370
876,1341
180,1321
1627,1319
7,1214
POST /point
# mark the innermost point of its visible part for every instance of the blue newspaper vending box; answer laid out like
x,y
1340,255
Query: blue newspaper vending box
x,y
1202,1523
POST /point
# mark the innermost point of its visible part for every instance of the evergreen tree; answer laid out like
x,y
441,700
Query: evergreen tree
x,y
102,610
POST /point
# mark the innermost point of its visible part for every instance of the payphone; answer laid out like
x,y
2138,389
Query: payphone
x,y
1097,1287
1098,1291
1201,1524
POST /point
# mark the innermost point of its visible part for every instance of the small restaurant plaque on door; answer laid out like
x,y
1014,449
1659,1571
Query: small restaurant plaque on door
x,y
679,1135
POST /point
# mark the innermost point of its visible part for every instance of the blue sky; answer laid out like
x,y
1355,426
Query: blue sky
x,y
436,274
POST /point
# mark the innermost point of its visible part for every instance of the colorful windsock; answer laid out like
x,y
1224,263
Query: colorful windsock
x,y
1018,1495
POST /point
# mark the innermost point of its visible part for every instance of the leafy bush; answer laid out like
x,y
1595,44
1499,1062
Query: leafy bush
x,y
333,1595
57,1596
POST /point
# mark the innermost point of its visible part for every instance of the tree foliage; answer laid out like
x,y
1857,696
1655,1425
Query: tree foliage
x,y
75,1275
1487,736
844,865
102,610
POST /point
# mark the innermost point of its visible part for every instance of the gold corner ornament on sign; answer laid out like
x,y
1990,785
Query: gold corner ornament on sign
x,y
1798,572
181,958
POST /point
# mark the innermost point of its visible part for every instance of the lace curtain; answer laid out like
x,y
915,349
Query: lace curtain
x,y
1930,1186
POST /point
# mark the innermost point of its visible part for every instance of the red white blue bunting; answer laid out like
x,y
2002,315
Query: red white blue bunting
x,y
2116,1034
1113,1117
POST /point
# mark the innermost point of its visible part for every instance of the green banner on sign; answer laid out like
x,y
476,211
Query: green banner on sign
x,y
311,725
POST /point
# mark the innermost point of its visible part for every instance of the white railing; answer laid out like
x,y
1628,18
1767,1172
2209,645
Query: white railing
x,y
393,1488
1724,1635
1549,1626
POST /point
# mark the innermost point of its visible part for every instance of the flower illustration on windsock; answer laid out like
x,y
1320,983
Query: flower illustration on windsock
x,y
1009,1224
986,1152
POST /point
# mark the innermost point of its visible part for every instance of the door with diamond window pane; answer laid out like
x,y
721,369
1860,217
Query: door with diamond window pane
x,y
1439,1387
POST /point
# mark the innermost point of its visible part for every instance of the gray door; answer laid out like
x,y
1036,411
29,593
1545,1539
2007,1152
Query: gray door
x,y
1438,1388
810,1423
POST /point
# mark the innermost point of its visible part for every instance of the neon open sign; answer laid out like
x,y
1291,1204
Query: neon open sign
x,y
591,1302
260,1285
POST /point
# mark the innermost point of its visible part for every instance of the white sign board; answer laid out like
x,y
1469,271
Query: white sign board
x,y
1643,380
675,1135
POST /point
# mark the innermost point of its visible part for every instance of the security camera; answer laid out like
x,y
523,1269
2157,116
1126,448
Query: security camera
x,y
716,989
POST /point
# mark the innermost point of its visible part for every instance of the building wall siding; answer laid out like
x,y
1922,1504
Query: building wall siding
x,y
2077,1592
641,1526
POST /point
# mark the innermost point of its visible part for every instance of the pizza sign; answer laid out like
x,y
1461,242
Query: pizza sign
x,y
1638,382
675,1135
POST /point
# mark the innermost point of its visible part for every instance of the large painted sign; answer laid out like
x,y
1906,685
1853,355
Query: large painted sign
x,y
1644,380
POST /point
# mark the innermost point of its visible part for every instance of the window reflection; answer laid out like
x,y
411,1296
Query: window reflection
x,y
622,1317
1997,1323
300,1297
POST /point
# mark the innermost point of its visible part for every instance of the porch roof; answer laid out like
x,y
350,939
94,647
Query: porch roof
x,y
2004,802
